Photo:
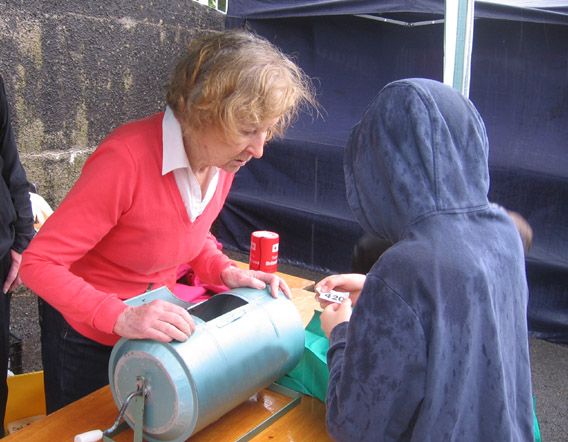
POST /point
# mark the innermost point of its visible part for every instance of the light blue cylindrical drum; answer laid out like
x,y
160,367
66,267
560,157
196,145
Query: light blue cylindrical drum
x,y
244,340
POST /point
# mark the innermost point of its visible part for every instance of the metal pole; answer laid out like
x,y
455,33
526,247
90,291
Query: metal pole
x,y
458,43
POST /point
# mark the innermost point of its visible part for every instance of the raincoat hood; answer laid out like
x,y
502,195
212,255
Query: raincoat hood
x,y
420,149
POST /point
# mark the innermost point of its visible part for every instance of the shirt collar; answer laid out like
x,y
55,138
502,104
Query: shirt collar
x,y
174,156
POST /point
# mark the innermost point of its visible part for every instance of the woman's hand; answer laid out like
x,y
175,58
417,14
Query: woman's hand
x,y
335,314
234,277
346,282
160,320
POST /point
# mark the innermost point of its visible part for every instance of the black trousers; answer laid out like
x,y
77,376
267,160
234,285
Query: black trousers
x,y
73,365
5,263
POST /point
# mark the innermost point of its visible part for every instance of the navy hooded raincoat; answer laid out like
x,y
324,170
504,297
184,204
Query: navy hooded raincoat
x,y
437,346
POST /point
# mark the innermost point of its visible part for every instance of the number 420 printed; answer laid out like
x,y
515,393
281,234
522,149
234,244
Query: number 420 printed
x,y
333,296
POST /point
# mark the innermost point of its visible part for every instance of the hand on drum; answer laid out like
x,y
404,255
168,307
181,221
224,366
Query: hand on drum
x,y
159,320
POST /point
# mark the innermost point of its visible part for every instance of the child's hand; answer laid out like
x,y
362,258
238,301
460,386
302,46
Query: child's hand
x,y
335,314
347,282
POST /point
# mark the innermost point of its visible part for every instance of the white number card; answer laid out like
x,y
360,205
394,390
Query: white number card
x,y
333,296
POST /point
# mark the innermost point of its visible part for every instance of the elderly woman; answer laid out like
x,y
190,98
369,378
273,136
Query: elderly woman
x,y
144,204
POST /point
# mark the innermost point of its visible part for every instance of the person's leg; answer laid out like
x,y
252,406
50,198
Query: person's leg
x,y
73,365
5,262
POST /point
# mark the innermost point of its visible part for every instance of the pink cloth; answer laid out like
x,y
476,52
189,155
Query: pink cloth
x,y
190,288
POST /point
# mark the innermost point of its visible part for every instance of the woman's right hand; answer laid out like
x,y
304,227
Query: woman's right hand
x,y
160,320
345,282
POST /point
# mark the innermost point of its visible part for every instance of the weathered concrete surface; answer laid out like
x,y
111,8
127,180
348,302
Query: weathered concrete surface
x,y
76,70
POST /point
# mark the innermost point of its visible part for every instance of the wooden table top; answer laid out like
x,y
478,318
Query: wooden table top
x,y
304,423
294,282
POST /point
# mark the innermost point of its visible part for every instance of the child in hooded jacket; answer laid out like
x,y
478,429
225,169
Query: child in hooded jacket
x,y
436,347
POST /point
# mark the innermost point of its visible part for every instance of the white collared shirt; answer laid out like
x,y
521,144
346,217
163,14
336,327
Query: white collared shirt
x,y
175,159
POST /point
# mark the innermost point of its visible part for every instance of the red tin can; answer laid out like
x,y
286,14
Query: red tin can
x,y
264,251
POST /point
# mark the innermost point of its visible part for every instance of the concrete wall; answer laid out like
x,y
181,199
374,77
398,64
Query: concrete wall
x,y
76,70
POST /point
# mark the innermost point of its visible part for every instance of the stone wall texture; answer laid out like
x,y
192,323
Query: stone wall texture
x,y
74,71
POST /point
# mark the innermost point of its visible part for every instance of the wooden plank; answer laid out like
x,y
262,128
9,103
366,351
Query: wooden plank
x,y
304,423
294,282
89,413
306,304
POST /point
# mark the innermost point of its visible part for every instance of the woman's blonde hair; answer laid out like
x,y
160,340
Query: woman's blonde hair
x,y
232,79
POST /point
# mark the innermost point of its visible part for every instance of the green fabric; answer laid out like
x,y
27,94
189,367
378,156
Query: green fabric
x,y
536,427
311,375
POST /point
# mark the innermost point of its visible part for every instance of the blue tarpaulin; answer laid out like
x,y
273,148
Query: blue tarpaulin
x,y
352,48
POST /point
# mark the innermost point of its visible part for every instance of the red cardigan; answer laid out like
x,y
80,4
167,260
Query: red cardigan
x,y
122,228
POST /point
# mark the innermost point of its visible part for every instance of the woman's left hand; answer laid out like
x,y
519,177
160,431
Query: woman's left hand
x,y
234,277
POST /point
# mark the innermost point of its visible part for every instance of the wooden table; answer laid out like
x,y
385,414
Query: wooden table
x,y
304,423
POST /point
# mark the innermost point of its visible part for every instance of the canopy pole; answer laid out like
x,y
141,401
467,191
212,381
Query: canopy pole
x,y
458,43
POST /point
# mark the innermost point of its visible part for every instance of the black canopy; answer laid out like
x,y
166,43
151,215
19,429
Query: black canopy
x,y
352,48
